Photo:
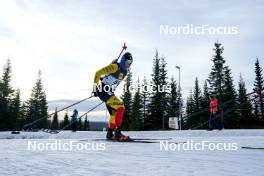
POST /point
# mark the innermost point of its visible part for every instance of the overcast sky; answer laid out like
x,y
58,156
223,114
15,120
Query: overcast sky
x,y
69,40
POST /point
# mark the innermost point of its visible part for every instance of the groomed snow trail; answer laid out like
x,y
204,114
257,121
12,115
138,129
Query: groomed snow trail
x,y
133,158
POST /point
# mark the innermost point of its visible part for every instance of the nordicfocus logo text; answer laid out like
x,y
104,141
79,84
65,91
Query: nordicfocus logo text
x,y
190,29
58,145
134,88
197,146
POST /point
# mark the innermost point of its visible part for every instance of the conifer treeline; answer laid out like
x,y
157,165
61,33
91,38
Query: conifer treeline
x,y
150,111
14,113
150,107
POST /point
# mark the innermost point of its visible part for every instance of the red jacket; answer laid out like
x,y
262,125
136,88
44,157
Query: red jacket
x,y
214,105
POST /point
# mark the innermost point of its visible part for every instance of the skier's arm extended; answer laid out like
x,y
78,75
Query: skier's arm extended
x,y
112,68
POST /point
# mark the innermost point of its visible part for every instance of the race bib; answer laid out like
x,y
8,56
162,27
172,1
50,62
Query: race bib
x,y
110,80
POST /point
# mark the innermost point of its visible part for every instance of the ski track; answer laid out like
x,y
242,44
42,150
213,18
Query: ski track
x,y
133,158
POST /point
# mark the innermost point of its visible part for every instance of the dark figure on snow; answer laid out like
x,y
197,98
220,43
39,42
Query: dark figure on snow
x,y
74,118
215,121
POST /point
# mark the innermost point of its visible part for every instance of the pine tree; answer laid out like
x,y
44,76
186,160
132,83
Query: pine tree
x,y
155,114
194,106
127,99
189,111
230,95
86,124
222,86
205,106
244,106
173,107
197,95
197,101
153,120
55,121
256,111
145,99
258,87
49,123
206,94
6,88
65,121
6,93
80,124
216,77
164,93
22,116
157,107
37,105
15,109
137,121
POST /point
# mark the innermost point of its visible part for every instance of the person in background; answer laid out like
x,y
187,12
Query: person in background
x,y
215,121
74,118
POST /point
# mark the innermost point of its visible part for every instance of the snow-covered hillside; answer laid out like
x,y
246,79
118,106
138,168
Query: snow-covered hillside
x,y
133,158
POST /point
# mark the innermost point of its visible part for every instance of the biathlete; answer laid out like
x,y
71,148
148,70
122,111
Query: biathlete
x,y
105,82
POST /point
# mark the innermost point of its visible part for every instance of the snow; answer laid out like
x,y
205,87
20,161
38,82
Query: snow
x,y
132,158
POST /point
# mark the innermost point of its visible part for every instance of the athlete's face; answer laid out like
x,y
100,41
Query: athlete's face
x,y
128,63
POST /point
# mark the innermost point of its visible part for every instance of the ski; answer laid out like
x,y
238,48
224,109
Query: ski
x,y
152,139
257,148
129,141
134,139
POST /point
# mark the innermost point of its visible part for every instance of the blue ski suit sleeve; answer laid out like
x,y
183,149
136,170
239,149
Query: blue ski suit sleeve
x,y
74,116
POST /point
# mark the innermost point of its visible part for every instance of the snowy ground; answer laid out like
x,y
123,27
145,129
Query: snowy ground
x,y
132,158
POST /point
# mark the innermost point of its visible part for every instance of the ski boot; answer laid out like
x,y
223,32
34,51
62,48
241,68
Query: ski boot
x,y
110,134
120,137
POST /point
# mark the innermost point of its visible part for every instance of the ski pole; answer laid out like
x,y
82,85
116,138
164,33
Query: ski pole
x,y
124,47
31,123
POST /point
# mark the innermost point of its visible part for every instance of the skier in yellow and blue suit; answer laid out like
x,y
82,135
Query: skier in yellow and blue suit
x,y
105,81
